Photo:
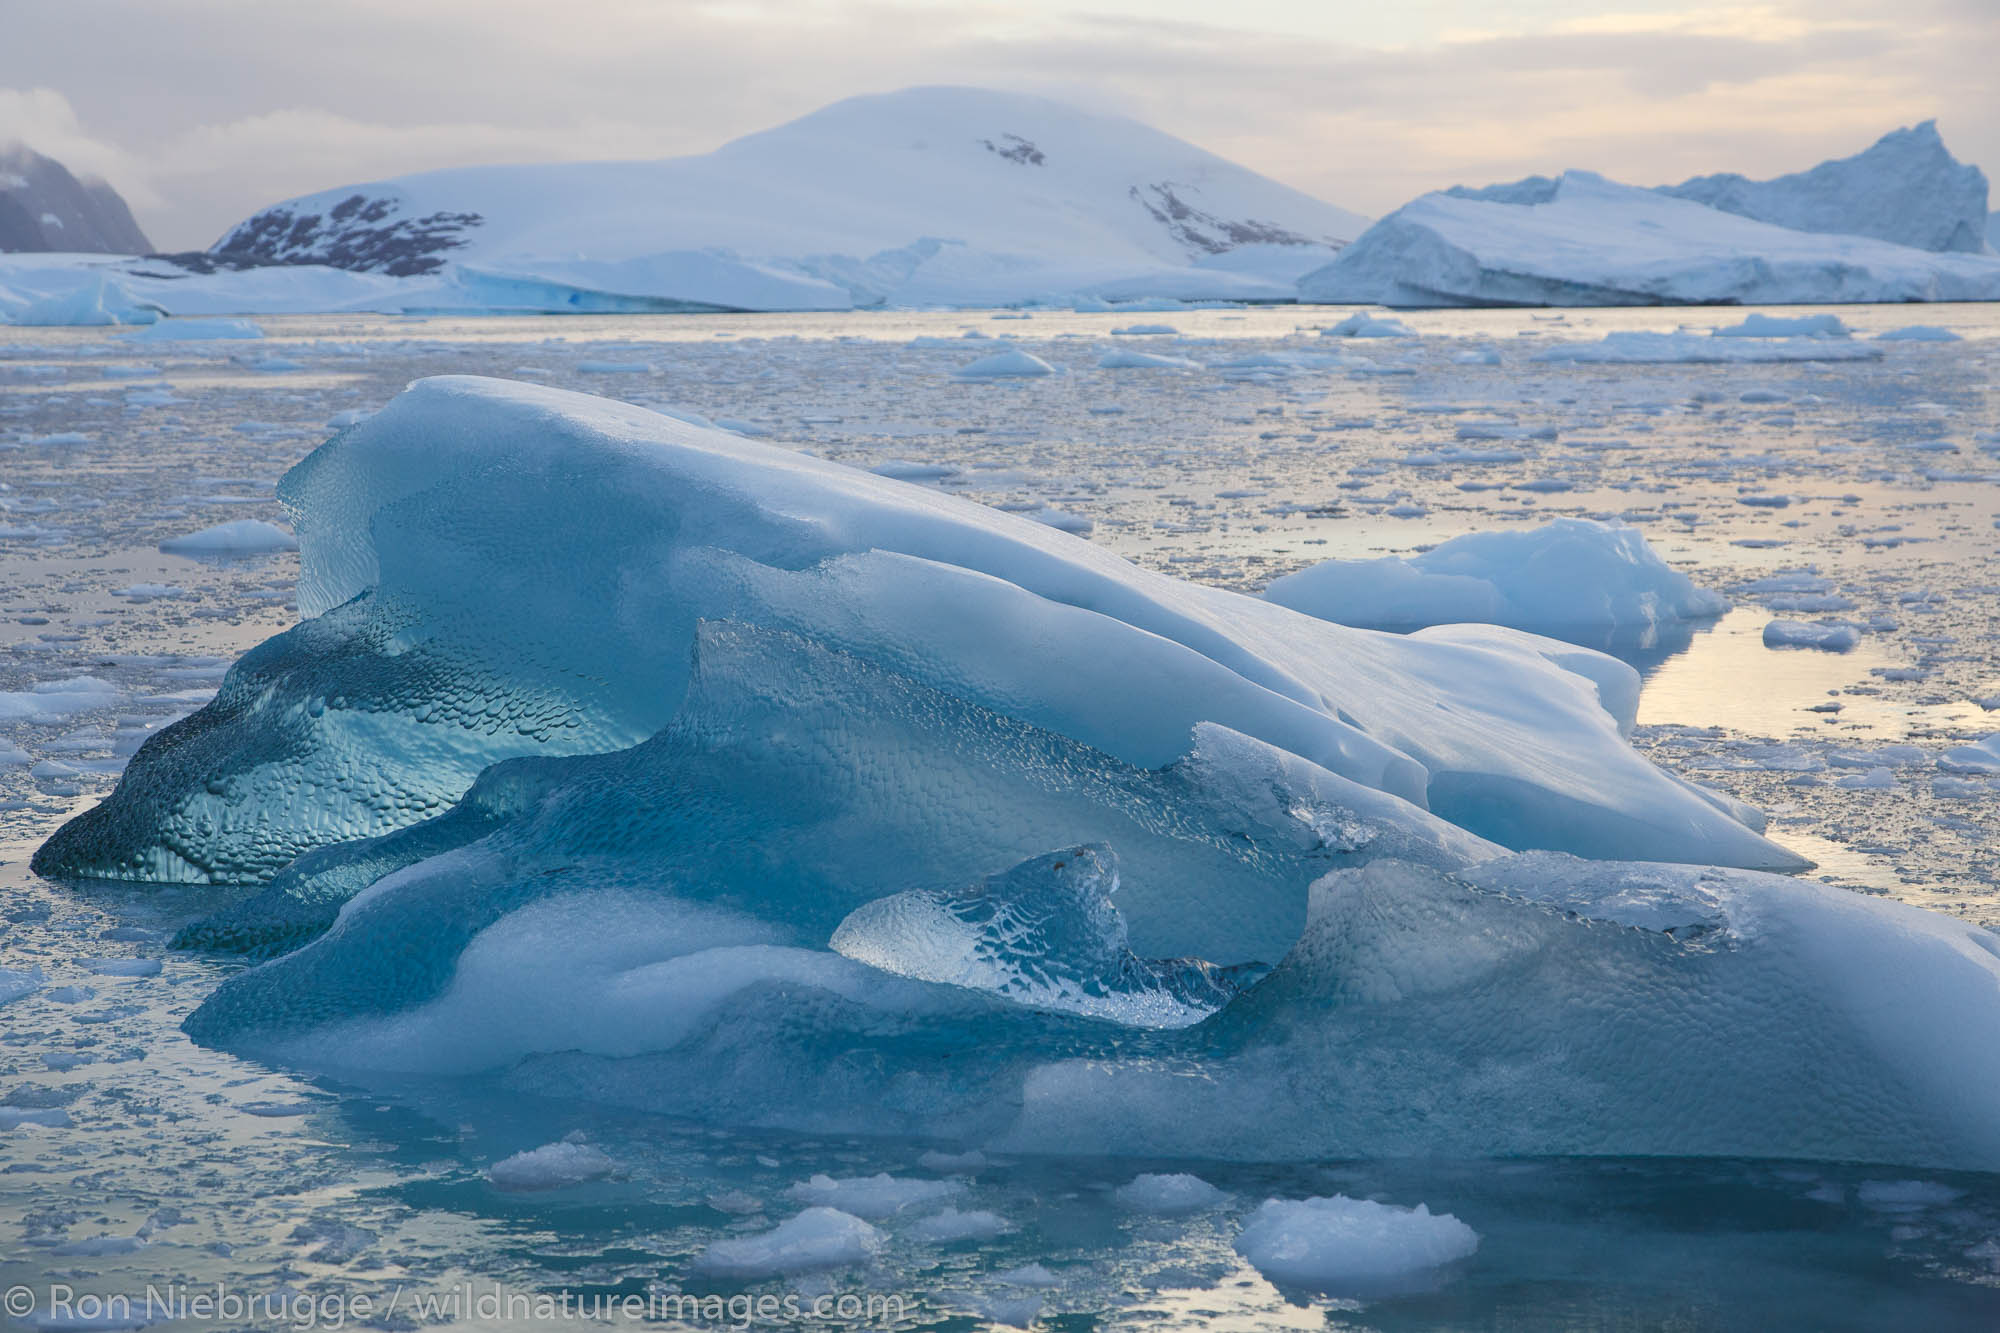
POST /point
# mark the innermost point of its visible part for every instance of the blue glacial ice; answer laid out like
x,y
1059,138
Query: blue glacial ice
x,y
459,616
633,762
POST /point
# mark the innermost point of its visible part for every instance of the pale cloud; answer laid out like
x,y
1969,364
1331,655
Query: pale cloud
x,y
203,110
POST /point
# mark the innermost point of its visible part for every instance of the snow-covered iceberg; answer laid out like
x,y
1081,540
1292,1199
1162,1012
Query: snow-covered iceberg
x,y
1906,188
1582,240
1568,578
457,619
928,196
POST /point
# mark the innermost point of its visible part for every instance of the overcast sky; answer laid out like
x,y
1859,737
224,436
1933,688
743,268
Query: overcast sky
x,y
200,111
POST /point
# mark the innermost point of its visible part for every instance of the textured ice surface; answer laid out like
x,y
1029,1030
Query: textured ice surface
x,y
1565,577
1044,934
459,621
1529,1004
798,784
1538,1003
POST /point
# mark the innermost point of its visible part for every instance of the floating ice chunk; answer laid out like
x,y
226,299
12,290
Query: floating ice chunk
x,y
93,299
198,330
1638,348
1923,333
1125,358
450,630
1028,1275
1062,520
1044,934
1170,1194
1905,1196
124,967
552,1166
953,1162
54,700
904,470
150,592
243,536
1139,330
16,982
102,1246
873,1197
1010,364
951,1226
1567,575
1831,638
1351,1246
817,1238
600,366
12,756
1757,324
1979,757
1361,324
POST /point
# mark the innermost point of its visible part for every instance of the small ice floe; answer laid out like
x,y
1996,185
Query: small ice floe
x,y
243,536
903,469
1125,358
1757,325
1829,638
150,592
817,1238
1978,757
873,1197
1062,520
1351,1246
1918,333
552,1166
1361,324
951,1225
594,366
55,700
1010,364
1905,1196
197,330
1168,1194
123,967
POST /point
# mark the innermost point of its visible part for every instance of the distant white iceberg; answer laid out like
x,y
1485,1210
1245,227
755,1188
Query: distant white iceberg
x,y
1902,221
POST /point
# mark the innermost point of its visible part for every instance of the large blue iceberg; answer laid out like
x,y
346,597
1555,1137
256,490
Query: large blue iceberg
x,y
629,761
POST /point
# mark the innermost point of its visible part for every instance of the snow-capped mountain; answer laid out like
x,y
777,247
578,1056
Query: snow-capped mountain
x,y
929,195
44,208
1906,188
1580,239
